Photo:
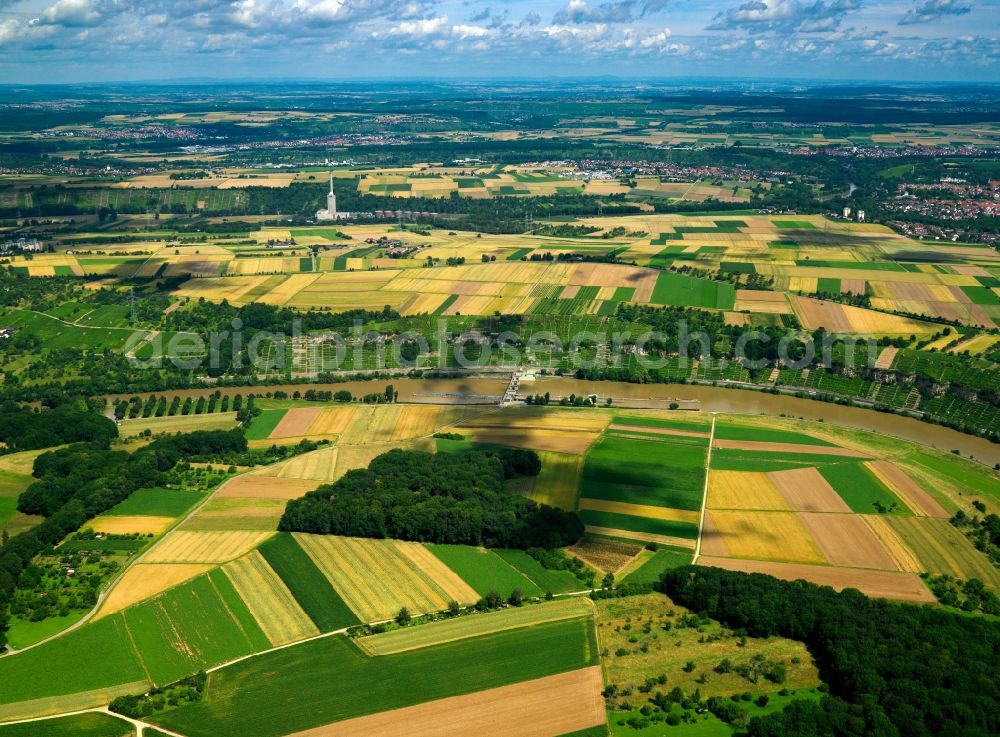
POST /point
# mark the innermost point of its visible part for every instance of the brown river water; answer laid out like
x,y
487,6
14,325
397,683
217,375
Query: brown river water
x,y
478,390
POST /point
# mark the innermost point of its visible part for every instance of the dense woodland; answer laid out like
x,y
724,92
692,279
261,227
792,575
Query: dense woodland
x,y
444,498
893,669
22,428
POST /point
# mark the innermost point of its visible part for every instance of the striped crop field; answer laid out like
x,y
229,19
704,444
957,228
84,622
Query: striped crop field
x,y
269,600
376,578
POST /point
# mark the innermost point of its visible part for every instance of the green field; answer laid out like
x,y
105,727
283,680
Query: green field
x,y
632,523
484,570
725,431
81,725
549,581
264,423
191,627
309,587
665,472
681,423
558,484
329,680
98,655
157,502
860,488
477,624
663,559
687,291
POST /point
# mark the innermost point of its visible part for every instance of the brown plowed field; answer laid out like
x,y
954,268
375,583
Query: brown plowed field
x,y
657,430
768,447
711,541
266,487
886,584
296,422
915,497
544,707
846,540
905,558
806,490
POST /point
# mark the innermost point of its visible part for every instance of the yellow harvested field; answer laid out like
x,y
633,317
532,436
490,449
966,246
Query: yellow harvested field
x,y
359,456
886,584
291,286
372,424
902,556
918,499
976,345
838,318
259,486
806,490
145,580
423,304
178,423
640,510
376,578
777,536
124,525
541,418
846,540
237,514
521,710
415,421
750,300
217,289
320,466
296,422
332,420
22,463
269,600
553,440
743,490
204,547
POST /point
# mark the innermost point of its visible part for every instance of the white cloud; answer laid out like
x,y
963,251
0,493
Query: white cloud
x,y
74,13
932,10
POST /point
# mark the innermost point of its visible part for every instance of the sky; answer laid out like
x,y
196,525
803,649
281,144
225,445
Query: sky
x,y
48,41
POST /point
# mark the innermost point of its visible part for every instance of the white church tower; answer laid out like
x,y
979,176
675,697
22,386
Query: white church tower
x,y
330,213
331,200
